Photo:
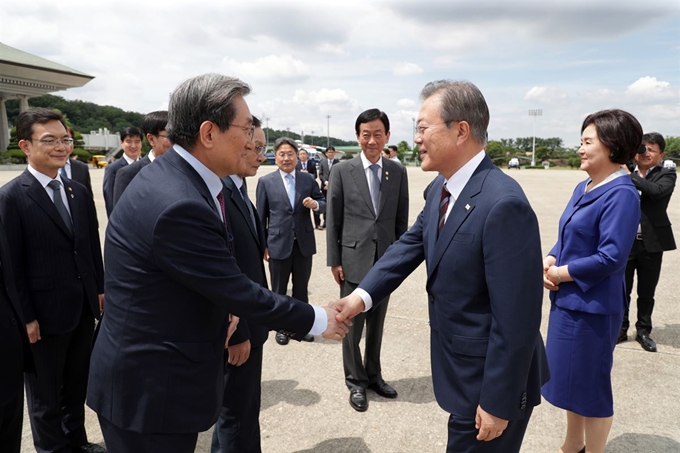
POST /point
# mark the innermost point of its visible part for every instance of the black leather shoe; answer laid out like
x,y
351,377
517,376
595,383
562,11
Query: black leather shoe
x,y
282,339
308,338
383,389
583,450
358,400
91,448
646,342
623,336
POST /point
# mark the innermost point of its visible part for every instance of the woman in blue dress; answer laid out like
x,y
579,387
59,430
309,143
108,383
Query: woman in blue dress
x,y
584,272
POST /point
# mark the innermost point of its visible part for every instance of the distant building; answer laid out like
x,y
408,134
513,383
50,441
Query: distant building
x,y
102,140
23,76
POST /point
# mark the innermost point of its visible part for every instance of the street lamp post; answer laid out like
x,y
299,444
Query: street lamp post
x,y
266,130
328,131
534,113
413,131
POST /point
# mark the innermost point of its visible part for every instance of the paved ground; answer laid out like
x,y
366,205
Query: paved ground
x,y
305,403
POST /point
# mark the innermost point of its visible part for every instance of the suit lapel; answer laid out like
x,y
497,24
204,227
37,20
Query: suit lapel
x,y
386,184
237,198
359,177
298,190
73,205
462,208
36,192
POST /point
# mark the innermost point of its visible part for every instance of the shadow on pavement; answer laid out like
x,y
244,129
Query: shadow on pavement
x,y
642,443
345,445
274,392
668,335
413,390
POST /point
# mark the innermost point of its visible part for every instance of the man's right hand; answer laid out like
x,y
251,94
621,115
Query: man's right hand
x,y
338,274
336,330
348,307
33,331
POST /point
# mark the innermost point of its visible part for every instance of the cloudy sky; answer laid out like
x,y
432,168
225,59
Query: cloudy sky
x,y
309,59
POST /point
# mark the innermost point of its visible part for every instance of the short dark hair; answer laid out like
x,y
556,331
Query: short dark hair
x,y
130,131
28,118
619,131
256,122
393,148
208,97
155,122
371,115
655,138
330,148
285,141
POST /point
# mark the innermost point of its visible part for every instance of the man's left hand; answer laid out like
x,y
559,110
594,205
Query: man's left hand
x,y
239,353
489,426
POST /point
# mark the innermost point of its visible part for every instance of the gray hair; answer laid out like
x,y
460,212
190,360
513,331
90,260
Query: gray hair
x,y
285,141
208,97
460,101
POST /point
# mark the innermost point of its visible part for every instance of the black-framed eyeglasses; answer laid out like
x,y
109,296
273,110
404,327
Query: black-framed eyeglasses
x,y
248,130
51,142
261,150
162,136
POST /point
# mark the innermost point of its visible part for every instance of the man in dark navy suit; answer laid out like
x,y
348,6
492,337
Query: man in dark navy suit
x,y
284,201
15,355
308,166
75,169
238,428
131,142
53,238
157,372
478,236
153,126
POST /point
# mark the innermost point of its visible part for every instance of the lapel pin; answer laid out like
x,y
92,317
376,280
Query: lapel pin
x,y
72,196
387,175
467,207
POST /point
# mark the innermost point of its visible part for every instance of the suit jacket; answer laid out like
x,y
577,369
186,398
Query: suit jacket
x,y
57,270
110,182
15,353
655,194
324,171
596,233
282,224
485,291
355,235
248,251
158,362
125,175
311,167
80,172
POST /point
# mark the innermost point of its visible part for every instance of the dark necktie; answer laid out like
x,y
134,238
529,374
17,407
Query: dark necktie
x,y
230,243
375,187
246,200
59,203
62,172
443,207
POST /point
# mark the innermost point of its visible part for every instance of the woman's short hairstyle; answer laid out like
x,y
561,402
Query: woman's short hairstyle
x,y
619,131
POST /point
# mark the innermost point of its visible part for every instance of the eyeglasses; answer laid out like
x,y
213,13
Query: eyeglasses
x,y
52,142
162,136
249,130
261,150
420,130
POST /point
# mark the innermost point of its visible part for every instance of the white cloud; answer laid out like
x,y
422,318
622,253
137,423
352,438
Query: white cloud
x,y
545,95
405,69
648,88
406,103
272,68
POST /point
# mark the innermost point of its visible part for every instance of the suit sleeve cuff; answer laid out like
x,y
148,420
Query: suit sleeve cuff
x,y
368,301
320,321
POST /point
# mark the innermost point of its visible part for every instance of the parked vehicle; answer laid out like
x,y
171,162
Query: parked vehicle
x,y
98,161
514,163
669,164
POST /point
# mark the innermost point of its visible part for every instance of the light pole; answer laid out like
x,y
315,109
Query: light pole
x,y
312,138
534,113
413,131
266,130
328,131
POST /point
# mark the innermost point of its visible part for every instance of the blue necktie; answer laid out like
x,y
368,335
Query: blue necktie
x,y
55,185
62,172
290,188
375,187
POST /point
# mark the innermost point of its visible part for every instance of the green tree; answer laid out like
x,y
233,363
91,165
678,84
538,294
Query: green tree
x,y
403,149
496,152
672,147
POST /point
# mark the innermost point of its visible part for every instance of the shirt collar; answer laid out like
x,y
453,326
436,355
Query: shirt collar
x,y
42,178
151,156
456,183
129,161
237,180
284,174
211,180
367,163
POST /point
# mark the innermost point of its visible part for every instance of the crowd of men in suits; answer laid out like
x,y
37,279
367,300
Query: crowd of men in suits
x,y
178,347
